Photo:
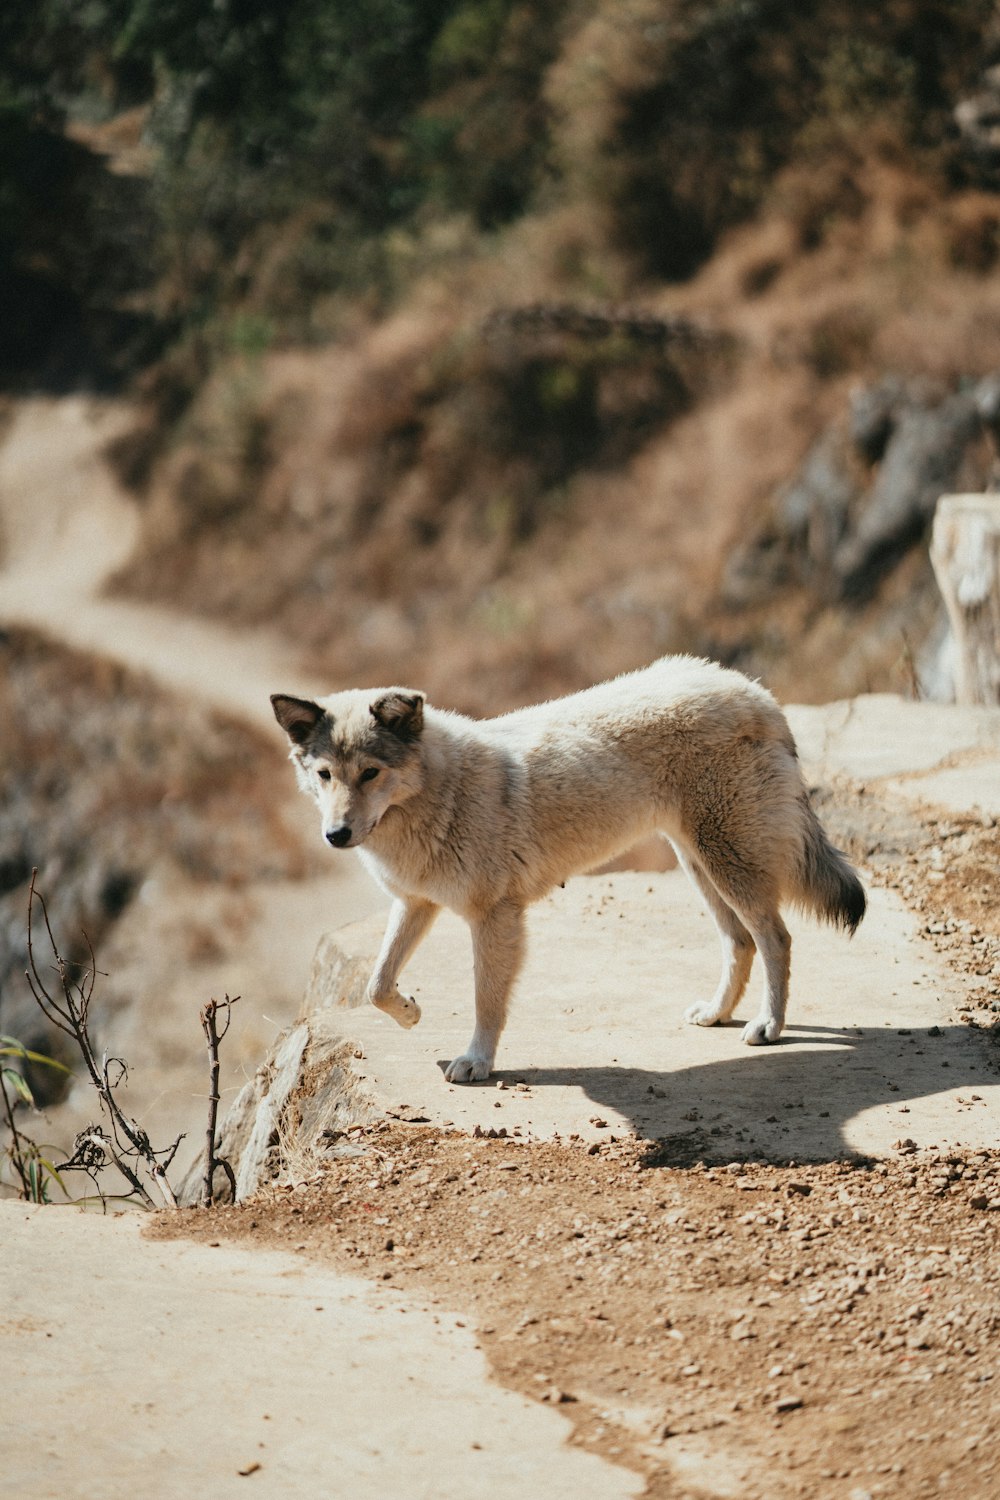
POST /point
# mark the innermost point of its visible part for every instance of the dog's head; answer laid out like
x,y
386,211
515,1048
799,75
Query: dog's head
x,y
357,754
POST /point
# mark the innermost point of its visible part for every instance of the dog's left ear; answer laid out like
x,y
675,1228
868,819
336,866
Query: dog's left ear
x,y
298,717
401,712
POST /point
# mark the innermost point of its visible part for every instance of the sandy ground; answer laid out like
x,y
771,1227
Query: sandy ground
x,y
141,1368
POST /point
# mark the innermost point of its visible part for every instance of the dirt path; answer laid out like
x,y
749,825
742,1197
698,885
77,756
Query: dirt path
x,y
66,526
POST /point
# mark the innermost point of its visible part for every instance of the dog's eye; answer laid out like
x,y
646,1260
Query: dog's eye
x,y
369,774
323,773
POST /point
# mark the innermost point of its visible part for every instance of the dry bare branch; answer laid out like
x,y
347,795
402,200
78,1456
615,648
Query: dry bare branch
x,y
66,1005
213,1036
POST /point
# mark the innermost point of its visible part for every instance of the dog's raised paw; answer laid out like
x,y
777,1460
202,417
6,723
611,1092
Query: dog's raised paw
x,y
758,1033
466,1069
404,1011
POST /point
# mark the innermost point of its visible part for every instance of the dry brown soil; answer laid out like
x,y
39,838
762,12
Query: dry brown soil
x,y
809,1331
756,1329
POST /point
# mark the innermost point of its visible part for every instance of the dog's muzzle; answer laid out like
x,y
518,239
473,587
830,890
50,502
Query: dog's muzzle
x,y
339,837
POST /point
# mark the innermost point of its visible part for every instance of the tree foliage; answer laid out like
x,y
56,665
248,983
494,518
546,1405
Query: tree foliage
x,y
291,141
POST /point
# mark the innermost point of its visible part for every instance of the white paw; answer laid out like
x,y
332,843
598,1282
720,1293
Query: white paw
x,y
758,1033
702,1014
401,1008
468,1069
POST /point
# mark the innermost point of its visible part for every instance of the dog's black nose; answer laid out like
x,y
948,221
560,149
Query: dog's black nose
x,y
339,837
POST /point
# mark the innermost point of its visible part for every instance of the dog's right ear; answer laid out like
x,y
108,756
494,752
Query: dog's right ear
x,y
298,717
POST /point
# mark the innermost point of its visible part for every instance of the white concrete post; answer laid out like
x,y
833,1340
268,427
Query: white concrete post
x,y
965,553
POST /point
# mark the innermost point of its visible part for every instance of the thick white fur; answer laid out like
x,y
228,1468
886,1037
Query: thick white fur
x,y
486,816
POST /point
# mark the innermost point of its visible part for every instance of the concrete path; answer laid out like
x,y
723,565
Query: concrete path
x,y
928,752
873,1052
134,1367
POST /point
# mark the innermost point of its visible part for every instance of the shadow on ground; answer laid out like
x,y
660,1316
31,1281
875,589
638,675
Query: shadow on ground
x,y
803,1099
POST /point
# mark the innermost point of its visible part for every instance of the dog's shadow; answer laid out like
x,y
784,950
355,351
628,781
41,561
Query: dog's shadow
x,y
800,1100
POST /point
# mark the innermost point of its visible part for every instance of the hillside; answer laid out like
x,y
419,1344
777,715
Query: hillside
x,y
502,347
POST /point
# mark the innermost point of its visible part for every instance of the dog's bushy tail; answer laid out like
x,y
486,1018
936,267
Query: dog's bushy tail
x,y
828,883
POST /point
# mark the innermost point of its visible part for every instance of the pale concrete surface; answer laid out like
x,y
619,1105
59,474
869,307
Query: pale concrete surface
x,y
162,1369
597,1031
929,752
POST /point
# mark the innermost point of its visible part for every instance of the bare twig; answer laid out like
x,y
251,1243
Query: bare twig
x,y
213,1036
67,1007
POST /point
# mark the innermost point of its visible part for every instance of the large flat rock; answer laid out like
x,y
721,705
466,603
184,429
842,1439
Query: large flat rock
x,y
874,1052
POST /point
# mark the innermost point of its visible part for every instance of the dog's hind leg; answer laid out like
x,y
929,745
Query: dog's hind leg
x,y
753,899
498,951
774,944
408,921
737,950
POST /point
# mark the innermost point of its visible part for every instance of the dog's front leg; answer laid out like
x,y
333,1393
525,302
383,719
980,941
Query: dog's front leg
x,y
498,950
409,919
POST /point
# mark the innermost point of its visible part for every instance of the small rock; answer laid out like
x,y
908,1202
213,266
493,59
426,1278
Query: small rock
x,y
788,1403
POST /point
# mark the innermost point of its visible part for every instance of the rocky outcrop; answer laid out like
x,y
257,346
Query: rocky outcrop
x,y
300,1104
865,495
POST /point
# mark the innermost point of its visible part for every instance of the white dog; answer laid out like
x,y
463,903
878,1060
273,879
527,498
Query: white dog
x,y
486,816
